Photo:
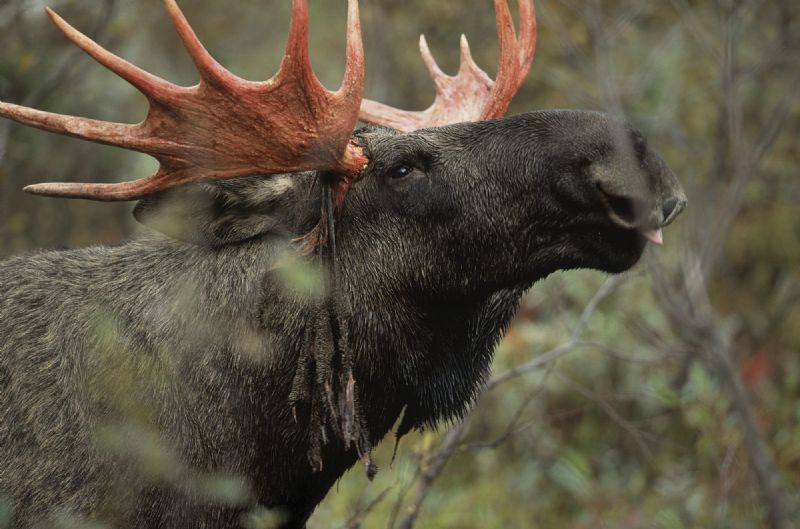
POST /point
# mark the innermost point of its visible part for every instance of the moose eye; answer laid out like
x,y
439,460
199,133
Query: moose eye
x,y
401,171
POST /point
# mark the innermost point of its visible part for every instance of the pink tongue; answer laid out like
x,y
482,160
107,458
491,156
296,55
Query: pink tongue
x,y
655,236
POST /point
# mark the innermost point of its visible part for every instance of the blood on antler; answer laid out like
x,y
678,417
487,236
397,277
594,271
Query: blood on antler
x,y
225,126
471,95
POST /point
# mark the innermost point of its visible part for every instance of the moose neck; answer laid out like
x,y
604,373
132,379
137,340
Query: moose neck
x,y
430,355
445,353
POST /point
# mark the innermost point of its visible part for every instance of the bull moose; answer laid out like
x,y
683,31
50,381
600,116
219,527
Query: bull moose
x,y
425,229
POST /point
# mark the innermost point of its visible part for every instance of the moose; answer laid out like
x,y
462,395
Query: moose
x,y
423,228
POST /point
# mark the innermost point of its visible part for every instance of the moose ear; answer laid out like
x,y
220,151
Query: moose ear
x,y
221,213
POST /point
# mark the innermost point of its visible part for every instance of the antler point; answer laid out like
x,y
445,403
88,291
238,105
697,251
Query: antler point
x,y
466,54
34,189
55,17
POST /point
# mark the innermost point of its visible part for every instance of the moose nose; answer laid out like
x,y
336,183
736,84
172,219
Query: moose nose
x,y
671,208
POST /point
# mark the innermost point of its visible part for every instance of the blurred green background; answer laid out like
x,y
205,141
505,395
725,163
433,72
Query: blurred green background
x,y
670,398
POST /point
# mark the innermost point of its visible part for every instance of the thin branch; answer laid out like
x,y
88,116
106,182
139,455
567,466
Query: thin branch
x,y
637,434
695,27
764,468
610,285
730,144
725,483
432,467
513,427
68,67
401,497
354,522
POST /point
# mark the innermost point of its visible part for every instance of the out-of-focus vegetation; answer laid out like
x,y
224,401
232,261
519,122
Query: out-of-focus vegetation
x,y
677,402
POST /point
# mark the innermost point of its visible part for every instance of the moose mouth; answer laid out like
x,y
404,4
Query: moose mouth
x,y
622,248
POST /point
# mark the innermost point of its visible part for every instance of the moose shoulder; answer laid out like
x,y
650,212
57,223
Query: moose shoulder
x,y
188,343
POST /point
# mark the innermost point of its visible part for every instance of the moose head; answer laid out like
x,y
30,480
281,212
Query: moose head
x,y
432,225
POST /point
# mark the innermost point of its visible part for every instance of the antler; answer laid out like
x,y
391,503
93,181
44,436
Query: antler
x,y
471,95
225,126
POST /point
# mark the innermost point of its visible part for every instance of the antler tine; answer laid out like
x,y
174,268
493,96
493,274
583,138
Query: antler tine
x,y
102,192
116,134
471,95
467,64
209,69
516,55
296,63
353,82
147,83
527,32
435,72
225,127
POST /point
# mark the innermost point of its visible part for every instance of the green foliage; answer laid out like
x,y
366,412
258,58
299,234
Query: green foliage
x,y
5,514
261,518
302,277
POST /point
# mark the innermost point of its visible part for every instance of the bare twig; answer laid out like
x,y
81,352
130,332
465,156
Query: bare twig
x,y
513,427
637,434
355,521
67,67
725,483
611,284
695,27
767,474
746,167
431,468
400,500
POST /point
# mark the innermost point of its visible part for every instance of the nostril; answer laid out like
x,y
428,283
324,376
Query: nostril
x,y
624,210
671,208
623,207
668,207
